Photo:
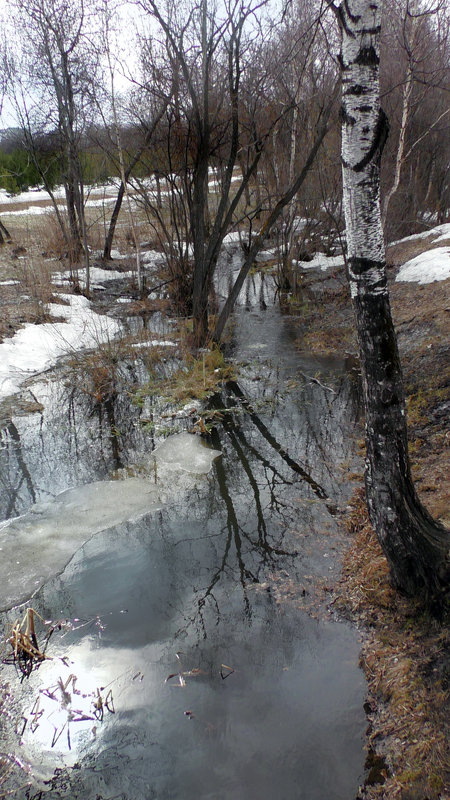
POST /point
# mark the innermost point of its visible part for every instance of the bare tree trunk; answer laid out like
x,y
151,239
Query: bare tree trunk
x,y
415,546
113,222
265,229
5,235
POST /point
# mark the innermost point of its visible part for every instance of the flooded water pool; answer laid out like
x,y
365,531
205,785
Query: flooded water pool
x,y
183,667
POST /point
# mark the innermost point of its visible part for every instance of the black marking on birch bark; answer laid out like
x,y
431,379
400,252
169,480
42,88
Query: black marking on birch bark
x,y
347,119
356,90
364,109
359,266
343,23
367,57
354,18
379,140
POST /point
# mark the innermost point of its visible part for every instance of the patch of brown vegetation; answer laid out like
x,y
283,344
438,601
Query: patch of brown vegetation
x,y
405,660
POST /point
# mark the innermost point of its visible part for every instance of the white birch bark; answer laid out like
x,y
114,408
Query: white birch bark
x,y
415,545
363,131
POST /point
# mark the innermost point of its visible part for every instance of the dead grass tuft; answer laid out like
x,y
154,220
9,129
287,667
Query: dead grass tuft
x,y
198,378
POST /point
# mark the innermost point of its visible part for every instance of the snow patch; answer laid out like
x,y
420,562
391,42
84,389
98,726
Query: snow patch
x,y
437,234
97,275
35,348
433,265
154,343
323,262
152,257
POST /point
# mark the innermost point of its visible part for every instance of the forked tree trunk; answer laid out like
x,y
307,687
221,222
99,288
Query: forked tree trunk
x,y
415,545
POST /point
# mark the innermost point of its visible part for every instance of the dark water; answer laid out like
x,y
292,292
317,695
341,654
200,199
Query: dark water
x,y
264,701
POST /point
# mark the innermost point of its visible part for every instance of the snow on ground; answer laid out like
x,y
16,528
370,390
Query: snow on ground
x,y
232,237
97,277
437,234
154,343
32,196
153,257
28,210
432,265
322,262
35,348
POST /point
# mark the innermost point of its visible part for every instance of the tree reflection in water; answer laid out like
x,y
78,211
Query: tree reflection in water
x,y
258,483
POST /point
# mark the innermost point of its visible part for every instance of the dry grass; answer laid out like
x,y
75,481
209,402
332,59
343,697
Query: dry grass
x,y
404,660
198,378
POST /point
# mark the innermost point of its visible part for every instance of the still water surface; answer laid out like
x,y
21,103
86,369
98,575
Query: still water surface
x,y
263,700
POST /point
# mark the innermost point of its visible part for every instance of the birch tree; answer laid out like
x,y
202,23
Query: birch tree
x,y
61,67
416,546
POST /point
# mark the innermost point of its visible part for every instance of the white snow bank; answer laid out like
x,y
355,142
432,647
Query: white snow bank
x,y
28,210
97,275
39,544
437,234
443,232
187,452
266,255
322,262
35,348
31,196
154,343
433,265
232,237
152,257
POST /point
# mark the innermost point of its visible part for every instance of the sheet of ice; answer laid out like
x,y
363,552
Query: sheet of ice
x,y
187,452
37,347
39,544
322,262
433,265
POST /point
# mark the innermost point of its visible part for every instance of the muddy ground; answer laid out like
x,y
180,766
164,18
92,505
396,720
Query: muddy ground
x,y
404,651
